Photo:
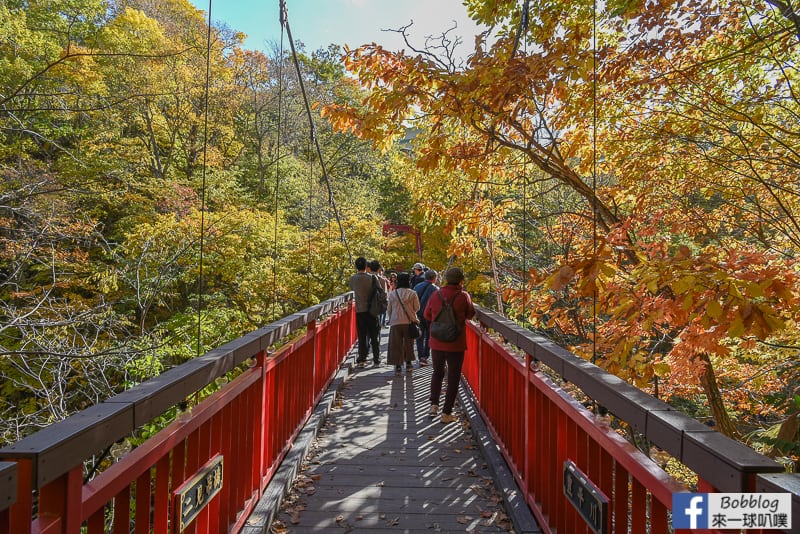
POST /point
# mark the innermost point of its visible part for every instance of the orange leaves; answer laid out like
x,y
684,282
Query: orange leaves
x,y
676,271
675,301
560,278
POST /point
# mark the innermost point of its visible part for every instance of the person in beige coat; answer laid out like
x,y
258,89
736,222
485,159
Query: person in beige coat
x,y
401,311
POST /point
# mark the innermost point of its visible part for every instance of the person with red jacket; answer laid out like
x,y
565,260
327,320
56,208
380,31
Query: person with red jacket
x,y
449,353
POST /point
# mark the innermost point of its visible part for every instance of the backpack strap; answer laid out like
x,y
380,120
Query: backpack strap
x,y
452,301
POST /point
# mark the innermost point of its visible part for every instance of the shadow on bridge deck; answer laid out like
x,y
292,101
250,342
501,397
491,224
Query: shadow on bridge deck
x,y
380,462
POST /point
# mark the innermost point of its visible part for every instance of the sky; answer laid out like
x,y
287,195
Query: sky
x,y
318,23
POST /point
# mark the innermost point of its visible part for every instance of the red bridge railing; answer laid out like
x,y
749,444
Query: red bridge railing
x,y
538,427
250,421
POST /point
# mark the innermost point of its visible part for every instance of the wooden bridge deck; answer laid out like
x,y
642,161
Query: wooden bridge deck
x,y
380,462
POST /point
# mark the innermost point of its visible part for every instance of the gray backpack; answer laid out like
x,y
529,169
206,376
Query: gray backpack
x,y
378,299
444,326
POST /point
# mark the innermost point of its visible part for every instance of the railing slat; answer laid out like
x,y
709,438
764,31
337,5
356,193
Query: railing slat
x,y
122,511
97,522
161,510
619,505
640,492
143,503
638,508
8,494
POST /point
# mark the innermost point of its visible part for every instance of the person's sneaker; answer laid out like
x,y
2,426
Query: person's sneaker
x,y
448,418
361,365
434,410
423,362
376,363
398,369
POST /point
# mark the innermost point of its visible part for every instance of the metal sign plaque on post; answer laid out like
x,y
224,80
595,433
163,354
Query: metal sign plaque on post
x,y
587,498
197,492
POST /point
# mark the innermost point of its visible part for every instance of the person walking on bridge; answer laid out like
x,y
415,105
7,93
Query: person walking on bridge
x,y
449,354
424,290
402,311
417,275
367,327
377,272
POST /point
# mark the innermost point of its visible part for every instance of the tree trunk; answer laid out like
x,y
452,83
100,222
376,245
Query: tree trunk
x,y
498,292
721,417
787,434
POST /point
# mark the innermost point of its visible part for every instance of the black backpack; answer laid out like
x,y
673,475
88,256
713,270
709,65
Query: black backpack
x,y
378,300
444,326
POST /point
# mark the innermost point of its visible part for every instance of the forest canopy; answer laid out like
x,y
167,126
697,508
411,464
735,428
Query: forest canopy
x,y
147,217
630,171
620,176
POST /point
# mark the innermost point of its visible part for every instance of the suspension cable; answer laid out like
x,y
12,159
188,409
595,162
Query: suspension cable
x,y
310,221
203,187
525,236
524,24
277,178
594,174
331,200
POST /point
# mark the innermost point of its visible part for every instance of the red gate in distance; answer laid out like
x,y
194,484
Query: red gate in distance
x,y
389,229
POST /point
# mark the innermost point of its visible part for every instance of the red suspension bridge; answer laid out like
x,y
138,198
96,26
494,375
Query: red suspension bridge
x,y
227,456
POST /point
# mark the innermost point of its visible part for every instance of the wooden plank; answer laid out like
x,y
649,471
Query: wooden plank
x,y
724,463
381,462
59,447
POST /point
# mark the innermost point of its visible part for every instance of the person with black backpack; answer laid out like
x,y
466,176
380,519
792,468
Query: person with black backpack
x,y
370,303
447,311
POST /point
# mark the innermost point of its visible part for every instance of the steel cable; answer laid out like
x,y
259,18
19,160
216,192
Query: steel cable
x,y
203,186
331,200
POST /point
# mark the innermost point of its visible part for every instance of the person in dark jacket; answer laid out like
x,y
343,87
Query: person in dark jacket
x,y
367,327
424,290
417,275
449,353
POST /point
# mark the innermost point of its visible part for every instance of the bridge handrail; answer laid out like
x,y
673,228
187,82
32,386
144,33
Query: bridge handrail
x,y
55,449
720,463
723,462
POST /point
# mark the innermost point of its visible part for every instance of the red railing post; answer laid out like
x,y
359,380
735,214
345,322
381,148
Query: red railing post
x,y
19,519
8,493
526,424
60,503
311,330
259,448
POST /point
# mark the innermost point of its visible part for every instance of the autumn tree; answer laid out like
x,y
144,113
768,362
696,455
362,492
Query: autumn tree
x,y
673,124
138,196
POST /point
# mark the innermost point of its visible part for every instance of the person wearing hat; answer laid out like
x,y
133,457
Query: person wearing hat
x,y
418,275
424,290
449,353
